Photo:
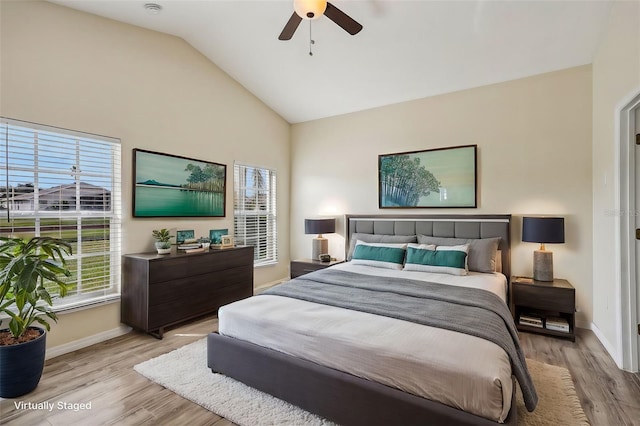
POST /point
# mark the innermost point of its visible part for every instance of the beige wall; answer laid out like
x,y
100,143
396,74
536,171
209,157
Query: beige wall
x,y
70,69
534,147
616,77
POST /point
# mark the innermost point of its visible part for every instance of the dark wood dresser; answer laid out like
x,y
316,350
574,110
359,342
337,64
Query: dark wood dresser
x,y
162,290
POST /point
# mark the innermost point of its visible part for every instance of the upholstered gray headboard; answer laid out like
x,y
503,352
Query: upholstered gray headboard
x,y
450,226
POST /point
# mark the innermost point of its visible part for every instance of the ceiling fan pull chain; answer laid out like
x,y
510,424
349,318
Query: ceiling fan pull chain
x,y
311,40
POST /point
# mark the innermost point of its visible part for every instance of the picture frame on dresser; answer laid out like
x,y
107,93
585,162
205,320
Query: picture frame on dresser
x,y
226,241
185,235
215,235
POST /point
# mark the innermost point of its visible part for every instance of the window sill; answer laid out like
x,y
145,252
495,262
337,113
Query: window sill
x,y
87,304
261,265
80,305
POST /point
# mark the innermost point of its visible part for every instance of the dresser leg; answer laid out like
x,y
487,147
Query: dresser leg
x,y
157,334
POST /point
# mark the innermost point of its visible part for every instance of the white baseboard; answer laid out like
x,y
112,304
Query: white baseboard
x,y
617,358
86,341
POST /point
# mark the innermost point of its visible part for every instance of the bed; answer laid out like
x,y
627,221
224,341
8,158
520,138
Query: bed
x,y
322,357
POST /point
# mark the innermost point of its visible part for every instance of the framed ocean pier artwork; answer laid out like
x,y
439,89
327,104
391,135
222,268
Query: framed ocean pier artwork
x,y
173,186
433,178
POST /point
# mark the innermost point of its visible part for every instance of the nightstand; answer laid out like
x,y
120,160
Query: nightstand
x,y
544,300
304,266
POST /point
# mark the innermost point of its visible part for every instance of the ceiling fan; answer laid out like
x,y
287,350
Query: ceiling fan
x,y
314,9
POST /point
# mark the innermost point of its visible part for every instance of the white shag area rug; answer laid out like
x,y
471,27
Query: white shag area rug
x,y
184,371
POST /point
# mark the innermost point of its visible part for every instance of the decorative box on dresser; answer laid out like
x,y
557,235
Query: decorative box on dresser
x,y
304,266
544,300
163,290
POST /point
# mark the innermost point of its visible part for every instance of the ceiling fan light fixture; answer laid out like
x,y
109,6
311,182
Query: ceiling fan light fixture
x,y
310,9
314,9
153,8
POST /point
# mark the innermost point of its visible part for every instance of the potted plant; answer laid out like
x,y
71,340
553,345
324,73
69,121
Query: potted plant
x,y
26,266
163,240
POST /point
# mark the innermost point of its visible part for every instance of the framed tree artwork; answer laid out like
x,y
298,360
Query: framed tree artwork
x,y
434,178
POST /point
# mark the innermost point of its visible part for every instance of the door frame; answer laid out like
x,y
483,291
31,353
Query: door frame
x,y
626,281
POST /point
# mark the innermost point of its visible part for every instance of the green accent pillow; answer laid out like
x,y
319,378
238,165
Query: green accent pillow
x,y
390,256
442,259
378,238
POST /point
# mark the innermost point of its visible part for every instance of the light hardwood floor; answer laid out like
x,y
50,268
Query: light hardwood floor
x,y
103,375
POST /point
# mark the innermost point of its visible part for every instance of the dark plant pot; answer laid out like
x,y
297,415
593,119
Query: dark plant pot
x,y
21,366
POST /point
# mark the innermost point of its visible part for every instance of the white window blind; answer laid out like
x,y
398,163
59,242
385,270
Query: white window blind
x,y
254,207
65,184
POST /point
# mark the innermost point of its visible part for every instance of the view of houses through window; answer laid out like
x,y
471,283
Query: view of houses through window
x,y
254,211
65,184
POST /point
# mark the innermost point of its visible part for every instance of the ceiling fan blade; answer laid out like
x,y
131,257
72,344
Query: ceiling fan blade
x,y
342,19
291,27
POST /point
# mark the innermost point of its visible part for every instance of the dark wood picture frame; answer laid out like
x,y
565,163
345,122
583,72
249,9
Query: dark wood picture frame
x,y
431,178
166,185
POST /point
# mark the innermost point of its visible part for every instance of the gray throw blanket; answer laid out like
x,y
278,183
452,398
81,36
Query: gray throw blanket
x,y
471,311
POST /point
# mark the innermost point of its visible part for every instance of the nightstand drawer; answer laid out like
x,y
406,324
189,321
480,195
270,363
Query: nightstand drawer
x,y
304,266
300,268
549,299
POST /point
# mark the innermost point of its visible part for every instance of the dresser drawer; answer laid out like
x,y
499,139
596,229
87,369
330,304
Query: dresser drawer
x,y
171,312
198,264
195,289
544,298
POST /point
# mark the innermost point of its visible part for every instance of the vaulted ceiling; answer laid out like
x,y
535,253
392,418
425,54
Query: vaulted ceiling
x,y
408,49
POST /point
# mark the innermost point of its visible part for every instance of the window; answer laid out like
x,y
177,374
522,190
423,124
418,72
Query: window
x,y
65,184
254,212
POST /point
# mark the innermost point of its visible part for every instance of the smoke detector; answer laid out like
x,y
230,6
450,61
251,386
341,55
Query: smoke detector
x,y
153,8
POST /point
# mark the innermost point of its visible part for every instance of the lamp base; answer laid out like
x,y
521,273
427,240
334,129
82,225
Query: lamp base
x,y
319,246
542,265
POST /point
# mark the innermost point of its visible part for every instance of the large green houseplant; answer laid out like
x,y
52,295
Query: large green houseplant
x,y
26,267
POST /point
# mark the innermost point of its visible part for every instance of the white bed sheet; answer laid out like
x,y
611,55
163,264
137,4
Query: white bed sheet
x,y
459,370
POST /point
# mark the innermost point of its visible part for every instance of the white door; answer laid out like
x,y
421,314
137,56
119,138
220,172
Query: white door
x,y
637,216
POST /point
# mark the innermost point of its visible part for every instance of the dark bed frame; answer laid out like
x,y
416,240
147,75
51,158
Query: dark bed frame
x,y
342,397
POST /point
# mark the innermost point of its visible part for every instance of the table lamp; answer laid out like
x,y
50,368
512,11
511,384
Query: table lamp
x,y
320,245
543,230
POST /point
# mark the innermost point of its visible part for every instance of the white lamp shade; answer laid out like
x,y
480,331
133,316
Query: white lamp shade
x,y
310,9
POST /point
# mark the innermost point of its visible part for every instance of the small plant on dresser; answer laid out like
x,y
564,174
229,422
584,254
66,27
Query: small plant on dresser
x,y
163,240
